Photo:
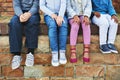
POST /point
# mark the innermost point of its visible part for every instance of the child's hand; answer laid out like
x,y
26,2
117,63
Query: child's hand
x,y
76,19
97,14
54,16
115,18
27,15
22,18
59,20
86,20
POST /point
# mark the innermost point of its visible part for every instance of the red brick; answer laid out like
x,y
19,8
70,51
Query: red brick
x,y
99,58
14,78
10,9
4,50
89,71
54,71
6,5
43,58
44,71
2,1
1,78
62,78
5,59
94,48
113,72
69,72
1,9
0,72
119,59
8,72
9,1
4,29
98,78
29,79
7,13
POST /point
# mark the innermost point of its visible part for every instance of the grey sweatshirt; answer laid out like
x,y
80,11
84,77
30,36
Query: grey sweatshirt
x,y
31,6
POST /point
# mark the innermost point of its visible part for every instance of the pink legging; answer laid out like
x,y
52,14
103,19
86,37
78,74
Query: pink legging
x,y
74,32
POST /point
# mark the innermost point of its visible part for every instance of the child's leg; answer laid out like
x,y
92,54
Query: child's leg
x,y
103,25
112,30
52,33
86,32
73,40
86,39
15,34
31,33
63,30
15,39
30,57
112,34
53,37
73,32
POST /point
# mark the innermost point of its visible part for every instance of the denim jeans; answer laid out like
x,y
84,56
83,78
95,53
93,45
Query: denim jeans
x,y
31,29
57,34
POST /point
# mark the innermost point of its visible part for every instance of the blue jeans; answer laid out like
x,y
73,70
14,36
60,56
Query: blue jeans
x,y
31,29
57,34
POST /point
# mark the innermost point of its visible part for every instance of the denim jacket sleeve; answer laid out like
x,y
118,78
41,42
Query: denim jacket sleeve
x,y
62,8
87,8
70,12
17,7
43,7
111,9
35,7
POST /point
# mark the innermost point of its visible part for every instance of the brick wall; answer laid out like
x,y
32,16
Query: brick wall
x,y
101,66
7,10
116,4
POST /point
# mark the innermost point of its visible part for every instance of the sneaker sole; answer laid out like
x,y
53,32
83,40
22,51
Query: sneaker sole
x,y
105,52
55,65
114,51
28,65
63,62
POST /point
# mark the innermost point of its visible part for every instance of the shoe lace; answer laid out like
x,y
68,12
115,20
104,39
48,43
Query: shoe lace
x,y
16,58
55,56
105,46
30,57
62,56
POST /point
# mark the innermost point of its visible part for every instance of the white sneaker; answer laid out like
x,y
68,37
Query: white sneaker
x,y
29,59
54,60
16,61
62,59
